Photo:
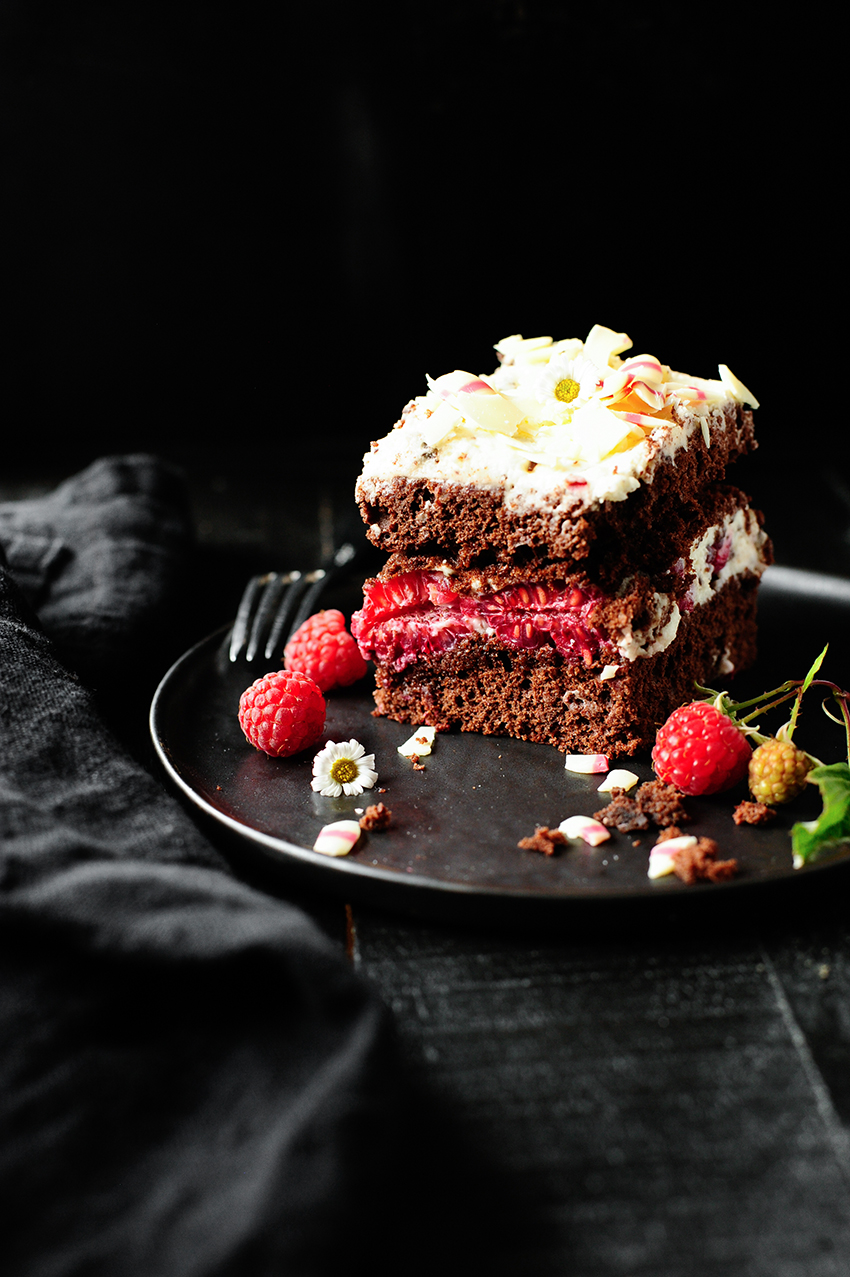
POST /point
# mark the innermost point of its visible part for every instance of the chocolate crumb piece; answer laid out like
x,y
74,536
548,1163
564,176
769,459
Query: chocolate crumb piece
x,y
545,840
752,814
375,817
662,803
622,813
699,863
672,831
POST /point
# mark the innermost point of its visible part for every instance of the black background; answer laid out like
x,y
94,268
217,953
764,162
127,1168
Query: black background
x,y
249,228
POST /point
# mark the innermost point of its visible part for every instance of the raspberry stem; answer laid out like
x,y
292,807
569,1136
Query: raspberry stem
x,y
791,689
841,698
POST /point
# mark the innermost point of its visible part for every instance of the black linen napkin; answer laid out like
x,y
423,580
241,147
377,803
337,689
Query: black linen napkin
x,y
101,560
192,1078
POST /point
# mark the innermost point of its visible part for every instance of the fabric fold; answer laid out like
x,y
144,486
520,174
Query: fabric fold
x,y
193,1079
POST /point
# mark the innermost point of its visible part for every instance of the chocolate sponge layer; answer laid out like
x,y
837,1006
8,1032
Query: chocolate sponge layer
x,y
649,552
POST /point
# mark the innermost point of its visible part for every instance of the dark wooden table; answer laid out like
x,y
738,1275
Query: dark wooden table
x,y
626,1095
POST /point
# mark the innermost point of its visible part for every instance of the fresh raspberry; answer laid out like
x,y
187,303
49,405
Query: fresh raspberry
x,y
323,649
700,750
778,771
282,713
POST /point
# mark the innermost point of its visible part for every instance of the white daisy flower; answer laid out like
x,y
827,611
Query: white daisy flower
x,y
566,382
343,768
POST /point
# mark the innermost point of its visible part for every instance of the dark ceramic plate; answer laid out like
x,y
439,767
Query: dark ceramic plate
x,y
452,846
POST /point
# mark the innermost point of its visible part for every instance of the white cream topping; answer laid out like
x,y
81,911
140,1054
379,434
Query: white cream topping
x,y
557,424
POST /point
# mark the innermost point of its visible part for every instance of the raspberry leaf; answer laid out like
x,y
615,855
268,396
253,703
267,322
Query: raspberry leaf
x,y
804,686
807,681
810,837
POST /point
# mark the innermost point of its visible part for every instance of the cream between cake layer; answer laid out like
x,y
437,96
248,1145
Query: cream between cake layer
x,y
416,614
510,432
726,550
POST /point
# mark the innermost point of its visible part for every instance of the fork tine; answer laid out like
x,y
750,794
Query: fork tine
x,y
243,615
275,604
283,623
259,600
318,582
276,583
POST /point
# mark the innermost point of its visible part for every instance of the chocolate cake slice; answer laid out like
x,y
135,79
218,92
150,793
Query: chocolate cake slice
x,y
565,556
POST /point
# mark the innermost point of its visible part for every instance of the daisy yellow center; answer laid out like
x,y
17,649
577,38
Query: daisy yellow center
x,y
344,771
566,390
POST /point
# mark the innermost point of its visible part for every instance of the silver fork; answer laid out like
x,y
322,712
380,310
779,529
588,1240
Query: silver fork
x,y
274,604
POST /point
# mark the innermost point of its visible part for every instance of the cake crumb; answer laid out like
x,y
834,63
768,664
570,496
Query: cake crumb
x,y
700,863
543,839
670,831
747,813
622,813
662,802
376,817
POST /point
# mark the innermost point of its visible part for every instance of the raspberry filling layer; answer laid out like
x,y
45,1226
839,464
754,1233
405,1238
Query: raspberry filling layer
x,y
418,614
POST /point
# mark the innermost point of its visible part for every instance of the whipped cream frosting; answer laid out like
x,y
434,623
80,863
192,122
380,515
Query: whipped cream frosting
x,y
557,424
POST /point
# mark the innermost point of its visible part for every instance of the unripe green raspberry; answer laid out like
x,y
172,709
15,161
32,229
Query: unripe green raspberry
x,y
778,771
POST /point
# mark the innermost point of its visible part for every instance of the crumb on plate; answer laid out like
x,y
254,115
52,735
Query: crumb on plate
x,y
747,813
376,817
700,863
543,839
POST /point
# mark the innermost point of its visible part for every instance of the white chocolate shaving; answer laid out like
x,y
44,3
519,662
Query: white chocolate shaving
x,y
586,763
739,390
619,778
420,743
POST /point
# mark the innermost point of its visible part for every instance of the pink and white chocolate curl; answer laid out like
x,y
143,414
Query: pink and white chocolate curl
x,y
661,856
654,398
476,387
338,838
586,763
645,368
585,828
689,394
637,419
